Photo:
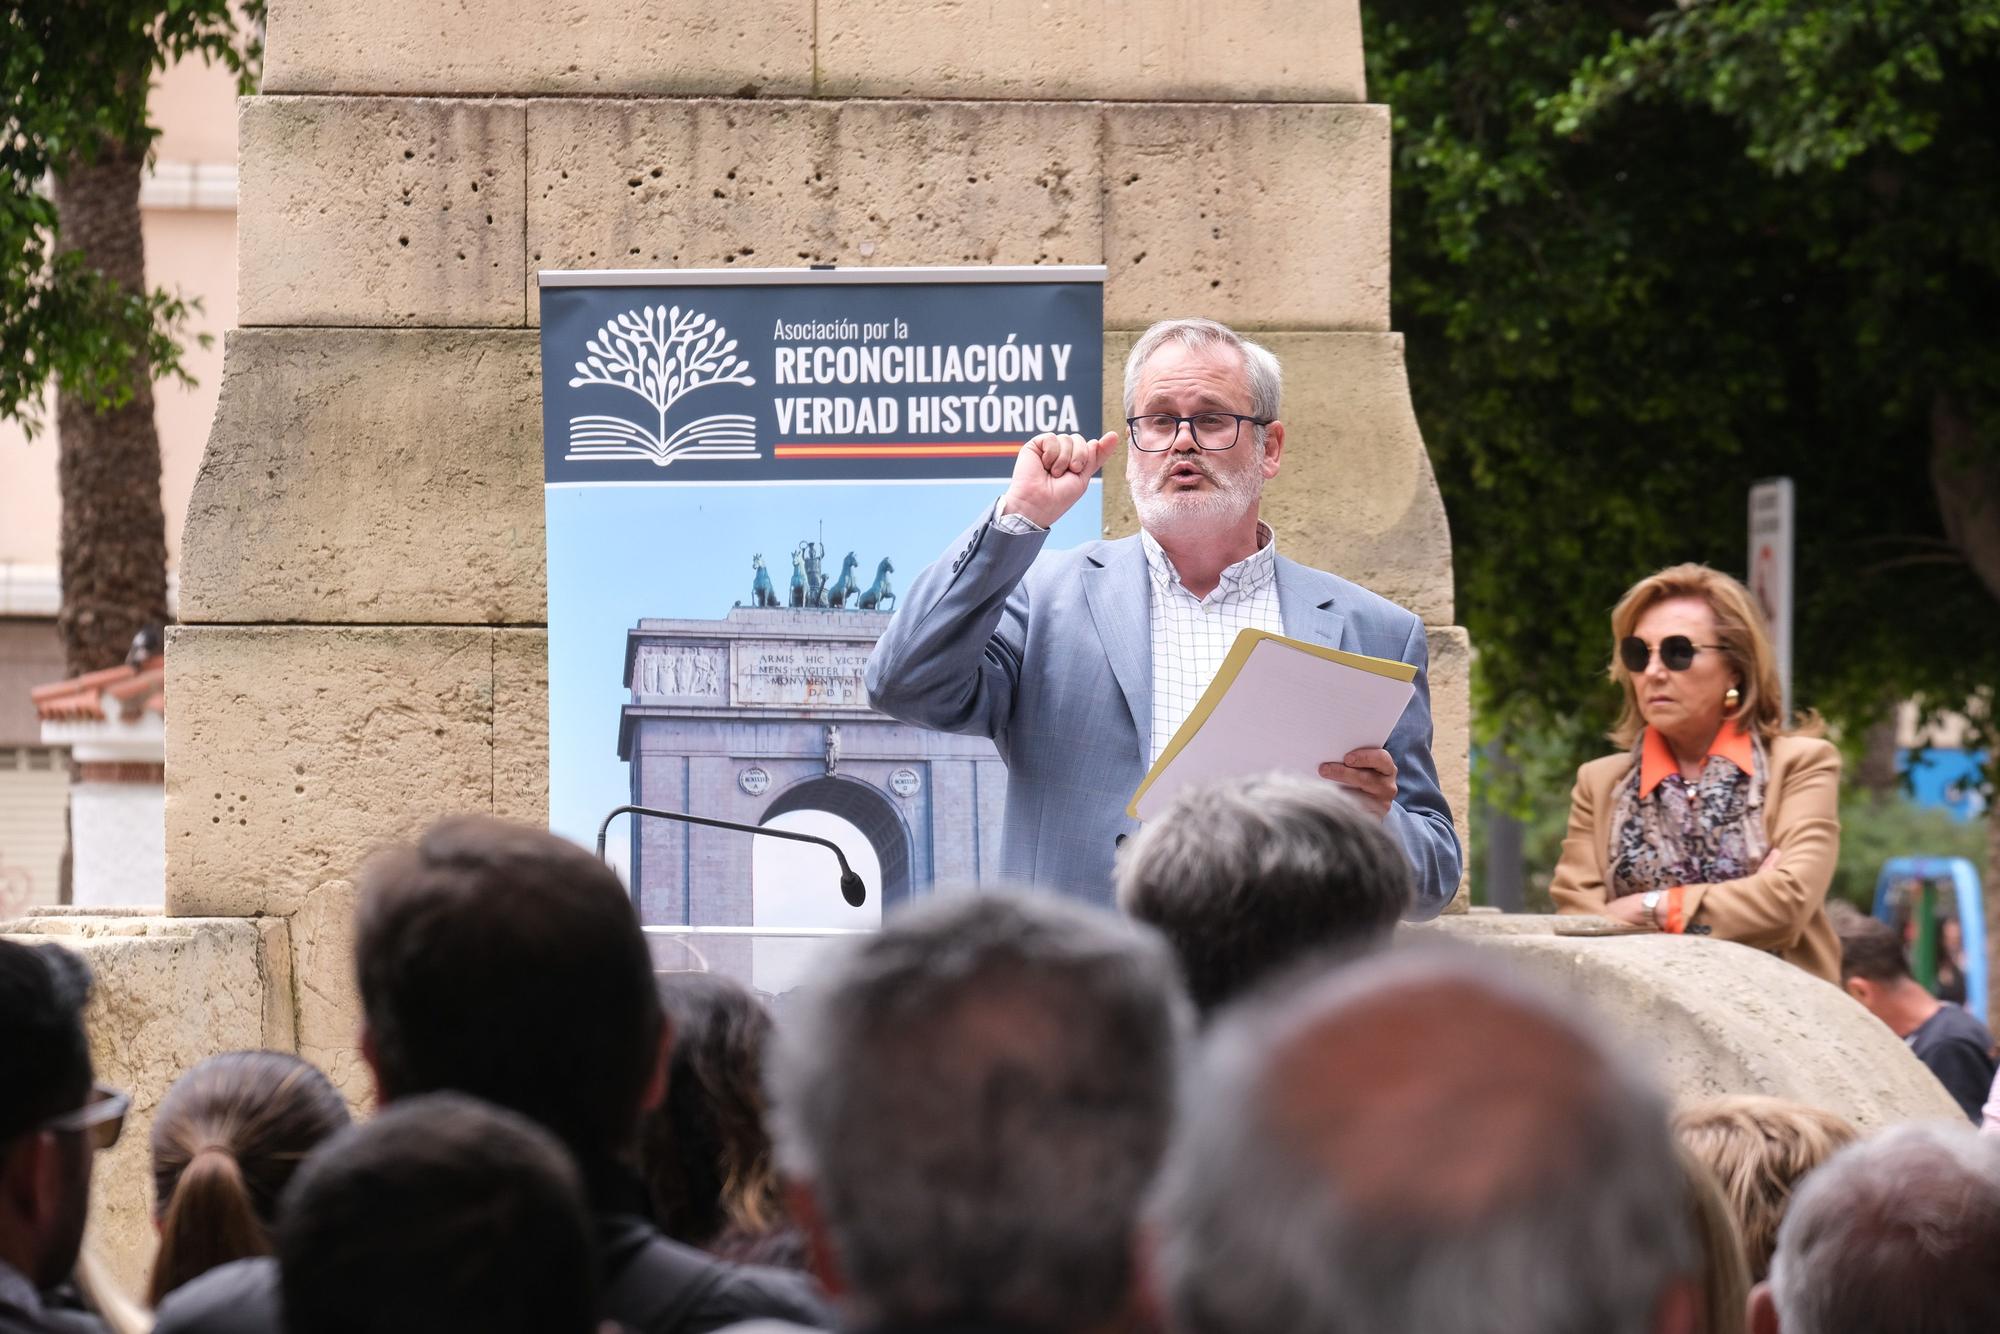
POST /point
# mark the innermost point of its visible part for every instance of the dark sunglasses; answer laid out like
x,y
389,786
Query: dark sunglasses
x,y
1676,653
102,1116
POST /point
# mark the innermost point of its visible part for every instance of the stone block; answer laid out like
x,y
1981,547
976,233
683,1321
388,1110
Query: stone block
x,y
521,725
707,184
668,47
1355,494
1264,217
1147,50
1450,678
329,1032
339,458
169,992
1711,1018
292,752
380,211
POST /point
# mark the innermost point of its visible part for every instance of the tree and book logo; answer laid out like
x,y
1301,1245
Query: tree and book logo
x,y
662,354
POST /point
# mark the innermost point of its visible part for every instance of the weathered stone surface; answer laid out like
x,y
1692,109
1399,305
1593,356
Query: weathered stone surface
x,y
689,184
1450,677
1356,494
1264,217
683,47
1713,1017
294,751
521,725
370,475
380,211
169,991
329,1006
1151,50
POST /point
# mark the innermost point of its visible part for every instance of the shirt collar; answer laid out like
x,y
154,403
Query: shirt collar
x,y
1245,576
1656,757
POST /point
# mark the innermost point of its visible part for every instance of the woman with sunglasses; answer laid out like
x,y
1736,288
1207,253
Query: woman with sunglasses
x,y
1716,819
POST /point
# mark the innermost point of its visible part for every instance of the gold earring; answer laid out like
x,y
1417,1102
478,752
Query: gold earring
x,y
1732,697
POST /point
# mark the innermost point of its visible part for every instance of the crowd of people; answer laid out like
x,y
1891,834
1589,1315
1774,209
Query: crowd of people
x,y
1232,1107
1195,1085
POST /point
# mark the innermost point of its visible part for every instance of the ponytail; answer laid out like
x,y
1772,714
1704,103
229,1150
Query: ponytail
x,y
209,1221
225,1141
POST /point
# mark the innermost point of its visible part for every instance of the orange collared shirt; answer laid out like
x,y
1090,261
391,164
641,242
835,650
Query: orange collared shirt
x,y
1656,757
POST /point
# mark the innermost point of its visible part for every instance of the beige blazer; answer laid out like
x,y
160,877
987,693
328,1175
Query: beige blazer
x,y
1782,910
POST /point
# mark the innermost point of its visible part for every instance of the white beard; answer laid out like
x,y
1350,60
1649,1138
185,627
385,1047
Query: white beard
x,y
1164,511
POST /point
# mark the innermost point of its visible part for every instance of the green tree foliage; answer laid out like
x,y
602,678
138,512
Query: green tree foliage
x,y
1644,256
75,77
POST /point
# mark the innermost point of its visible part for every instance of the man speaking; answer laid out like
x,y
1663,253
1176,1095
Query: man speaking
x,y
1081,665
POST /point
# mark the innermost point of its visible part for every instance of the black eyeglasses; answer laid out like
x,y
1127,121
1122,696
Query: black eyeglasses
x,y
102,1116
1156,431
1676,653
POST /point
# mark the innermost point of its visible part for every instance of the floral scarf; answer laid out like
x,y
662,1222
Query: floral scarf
x,y
1685,833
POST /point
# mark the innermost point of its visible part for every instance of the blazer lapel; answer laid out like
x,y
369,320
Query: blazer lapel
x,y
1114,584
1305,601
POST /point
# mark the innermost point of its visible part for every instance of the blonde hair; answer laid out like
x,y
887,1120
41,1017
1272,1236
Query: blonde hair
x,y
1739,628
1758,1149
1725,1277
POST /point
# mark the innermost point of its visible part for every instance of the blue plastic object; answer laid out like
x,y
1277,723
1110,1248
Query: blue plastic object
x,y
1964,881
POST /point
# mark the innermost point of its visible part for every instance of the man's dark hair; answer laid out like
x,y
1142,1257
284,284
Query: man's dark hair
x,y
1248,876
504,962
443,1214
44,1052
1869,948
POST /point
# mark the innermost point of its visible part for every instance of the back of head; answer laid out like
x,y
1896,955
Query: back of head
x,y
1870,949
1725,1276
1758,1149
225,1142
44,1072
706,1149
44,1053
1246,877
442,1214
1895,1233
977,1098
1418,1142
502,961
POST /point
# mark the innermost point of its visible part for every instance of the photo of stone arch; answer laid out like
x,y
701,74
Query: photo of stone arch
x,y
762,715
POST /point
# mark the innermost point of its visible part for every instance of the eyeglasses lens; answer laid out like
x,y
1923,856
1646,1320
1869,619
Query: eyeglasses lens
x,y
1213,430
1676,653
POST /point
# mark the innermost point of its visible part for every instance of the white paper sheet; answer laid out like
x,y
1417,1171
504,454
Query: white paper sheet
x,y
1286,709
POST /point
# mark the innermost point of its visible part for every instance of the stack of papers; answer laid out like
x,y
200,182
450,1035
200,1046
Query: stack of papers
x,y
1278,703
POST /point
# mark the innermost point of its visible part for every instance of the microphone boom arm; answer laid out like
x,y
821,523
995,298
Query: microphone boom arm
x,y
851,887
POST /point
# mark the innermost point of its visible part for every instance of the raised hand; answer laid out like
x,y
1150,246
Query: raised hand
x,y
1052,472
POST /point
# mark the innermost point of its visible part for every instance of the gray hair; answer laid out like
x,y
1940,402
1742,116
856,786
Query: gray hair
x,y
979,1096
1419,1142
1246,876
1894,1233
1259,364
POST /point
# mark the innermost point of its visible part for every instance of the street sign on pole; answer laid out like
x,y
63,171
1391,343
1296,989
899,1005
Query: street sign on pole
x,y
1771,527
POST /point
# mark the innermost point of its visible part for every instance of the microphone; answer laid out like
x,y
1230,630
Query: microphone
x,y
851,887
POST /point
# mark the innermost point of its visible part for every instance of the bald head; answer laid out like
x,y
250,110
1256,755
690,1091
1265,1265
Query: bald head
x,y
1421,1143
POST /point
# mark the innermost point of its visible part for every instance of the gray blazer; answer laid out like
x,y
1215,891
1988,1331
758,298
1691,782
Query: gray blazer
x,y
1050,655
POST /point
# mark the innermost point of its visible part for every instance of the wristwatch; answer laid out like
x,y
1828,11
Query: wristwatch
x,y
1650,901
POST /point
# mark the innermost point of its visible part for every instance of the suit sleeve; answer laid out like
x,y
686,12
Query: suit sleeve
x,y
951,657
1579,886
1771,908
1420,818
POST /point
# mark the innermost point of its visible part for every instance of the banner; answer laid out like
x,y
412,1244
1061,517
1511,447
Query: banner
x,y
742,469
